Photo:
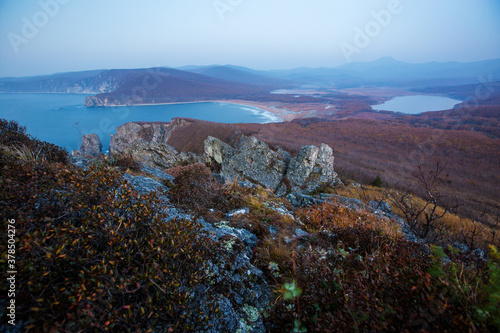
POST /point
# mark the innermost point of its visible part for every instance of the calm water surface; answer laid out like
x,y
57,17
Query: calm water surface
x,y
62,119
417,104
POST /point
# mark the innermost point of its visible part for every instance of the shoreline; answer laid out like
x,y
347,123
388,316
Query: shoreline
x,y
284,114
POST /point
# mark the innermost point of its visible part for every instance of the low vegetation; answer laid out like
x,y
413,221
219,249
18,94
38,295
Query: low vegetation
x,y
94,255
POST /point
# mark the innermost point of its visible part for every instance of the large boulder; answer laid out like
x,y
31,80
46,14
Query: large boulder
x,y
91,145
272,167
217,151
253,160
311,168
129,133
146,142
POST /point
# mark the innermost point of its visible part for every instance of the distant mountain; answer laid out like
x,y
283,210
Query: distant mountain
x,y
89,82
192,83
488,92
166,85
240,74
390,72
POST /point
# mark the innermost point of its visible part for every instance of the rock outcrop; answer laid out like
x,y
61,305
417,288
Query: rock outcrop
x,y
250,159
248,292
272,167
313,166
91,146
146,142
253,160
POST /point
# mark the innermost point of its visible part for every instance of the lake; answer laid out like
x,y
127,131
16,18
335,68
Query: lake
x,y
417,104
62,119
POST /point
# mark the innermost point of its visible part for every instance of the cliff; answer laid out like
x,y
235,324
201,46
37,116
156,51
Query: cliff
x,y
90,82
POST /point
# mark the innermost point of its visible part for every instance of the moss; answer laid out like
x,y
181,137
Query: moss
x,y
251,312
224,225
228,244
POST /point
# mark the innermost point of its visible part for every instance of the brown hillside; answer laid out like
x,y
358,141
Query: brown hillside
x,y
367,148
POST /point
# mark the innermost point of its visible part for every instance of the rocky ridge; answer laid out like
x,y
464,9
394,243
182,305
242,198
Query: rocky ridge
x,y
242,306
250,159
255,164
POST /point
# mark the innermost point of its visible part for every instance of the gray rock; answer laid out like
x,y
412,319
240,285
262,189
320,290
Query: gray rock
x,y
383,206
300,233
479,254
246,184
281,191
146,142
311,168
258,163
298,199
279,209
156,172
272,230
249,291
235,212
272,167
129,133
91,145
217,151
221,179
145,185
80,161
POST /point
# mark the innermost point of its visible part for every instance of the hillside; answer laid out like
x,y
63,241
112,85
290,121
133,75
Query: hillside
x,y
163,85
195,83
366,149
108,243
88,82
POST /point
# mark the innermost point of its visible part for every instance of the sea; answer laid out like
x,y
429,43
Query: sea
x,y
62,119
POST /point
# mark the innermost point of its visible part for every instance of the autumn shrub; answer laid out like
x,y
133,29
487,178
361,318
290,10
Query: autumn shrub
x,y
93,254
124,162
14,139
331,215
196,189
357,279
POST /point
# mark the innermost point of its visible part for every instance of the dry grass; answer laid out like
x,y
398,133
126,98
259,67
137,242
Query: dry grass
x,y
453,227
331,215
26,154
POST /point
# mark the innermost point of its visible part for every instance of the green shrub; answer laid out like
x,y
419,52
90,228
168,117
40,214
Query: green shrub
x,y
377,182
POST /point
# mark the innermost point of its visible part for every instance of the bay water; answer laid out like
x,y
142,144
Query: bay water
x,y
62,119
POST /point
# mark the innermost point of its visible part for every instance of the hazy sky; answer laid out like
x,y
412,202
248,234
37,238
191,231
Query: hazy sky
x,y
48,36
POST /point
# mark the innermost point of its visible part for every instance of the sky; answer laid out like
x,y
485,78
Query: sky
x,y
48,36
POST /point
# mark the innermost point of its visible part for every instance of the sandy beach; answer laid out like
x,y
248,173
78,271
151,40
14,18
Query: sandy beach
x,y
283,114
